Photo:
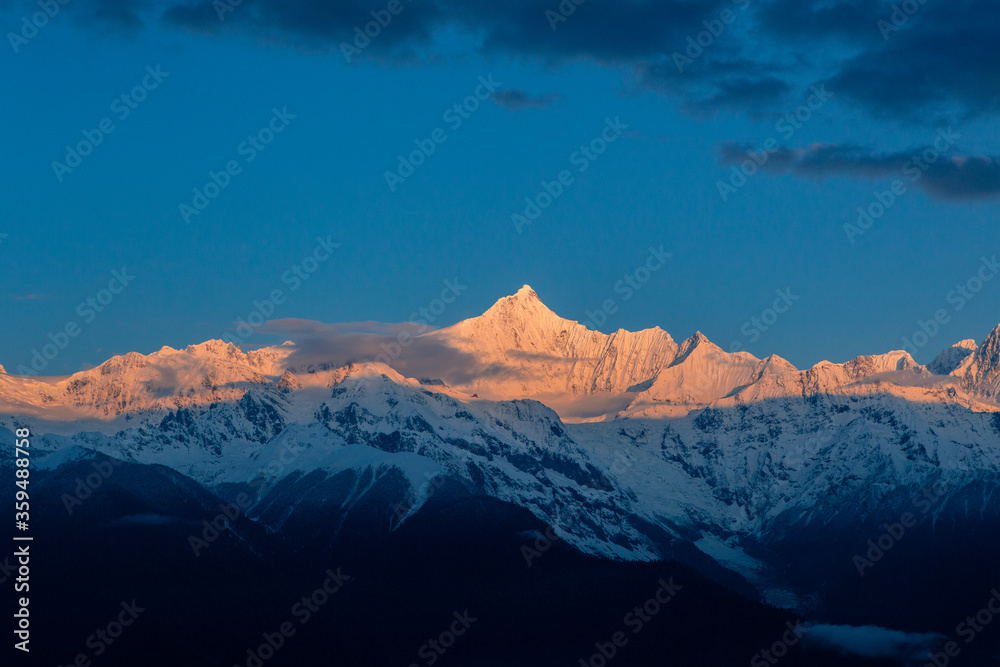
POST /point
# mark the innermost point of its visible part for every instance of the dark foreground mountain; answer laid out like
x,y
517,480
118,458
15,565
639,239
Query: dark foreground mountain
x,y
466,563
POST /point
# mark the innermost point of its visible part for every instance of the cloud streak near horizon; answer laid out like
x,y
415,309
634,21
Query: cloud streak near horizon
x,y
399,346
872,641
516,99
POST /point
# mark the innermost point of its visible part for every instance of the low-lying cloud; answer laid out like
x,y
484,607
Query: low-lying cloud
x,y
400,346
871,641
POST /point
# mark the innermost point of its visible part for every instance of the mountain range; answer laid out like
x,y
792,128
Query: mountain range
x,y
772,485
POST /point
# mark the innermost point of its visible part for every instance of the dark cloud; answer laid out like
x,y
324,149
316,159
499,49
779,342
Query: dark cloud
x,y
854,21
516,99
965,177
125,14
941,60
739,93
314,25
917,62
611,34
599,30
611,31
939,174
722,81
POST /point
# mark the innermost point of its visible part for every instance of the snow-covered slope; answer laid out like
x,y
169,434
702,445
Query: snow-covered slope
x,y
952,357
524,350
725,453
532,352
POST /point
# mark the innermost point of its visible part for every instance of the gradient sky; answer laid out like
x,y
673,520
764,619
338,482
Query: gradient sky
x,y
323,176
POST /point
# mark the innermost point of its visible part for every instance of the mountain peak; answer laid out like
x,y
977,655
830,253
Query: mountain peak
x,y
520,308
526,293
215,348
984,371
993,337
698,344
988,354
952,358
697,340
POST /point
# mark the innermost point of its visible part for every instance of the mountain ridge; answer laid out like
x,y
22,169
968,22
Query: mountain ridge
x,y
688,452
527,351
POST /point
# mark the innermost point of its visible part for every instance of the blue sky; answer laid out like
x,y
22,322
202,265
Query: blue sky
x,y
656,184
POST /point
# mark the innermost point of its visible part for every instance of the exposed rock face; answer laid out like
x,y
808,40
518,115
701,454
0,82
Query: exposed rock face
x,y
531,351
982,375
952,357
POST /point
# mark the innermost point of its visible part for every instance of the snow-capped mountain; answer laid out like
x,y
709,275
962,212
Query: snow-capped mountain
x,y
532,352
982,368
952,357
719,459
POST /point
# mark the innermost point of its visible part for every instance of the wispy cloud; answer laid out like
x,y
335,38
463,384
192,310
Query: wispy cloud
x,y
400,346
516,99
